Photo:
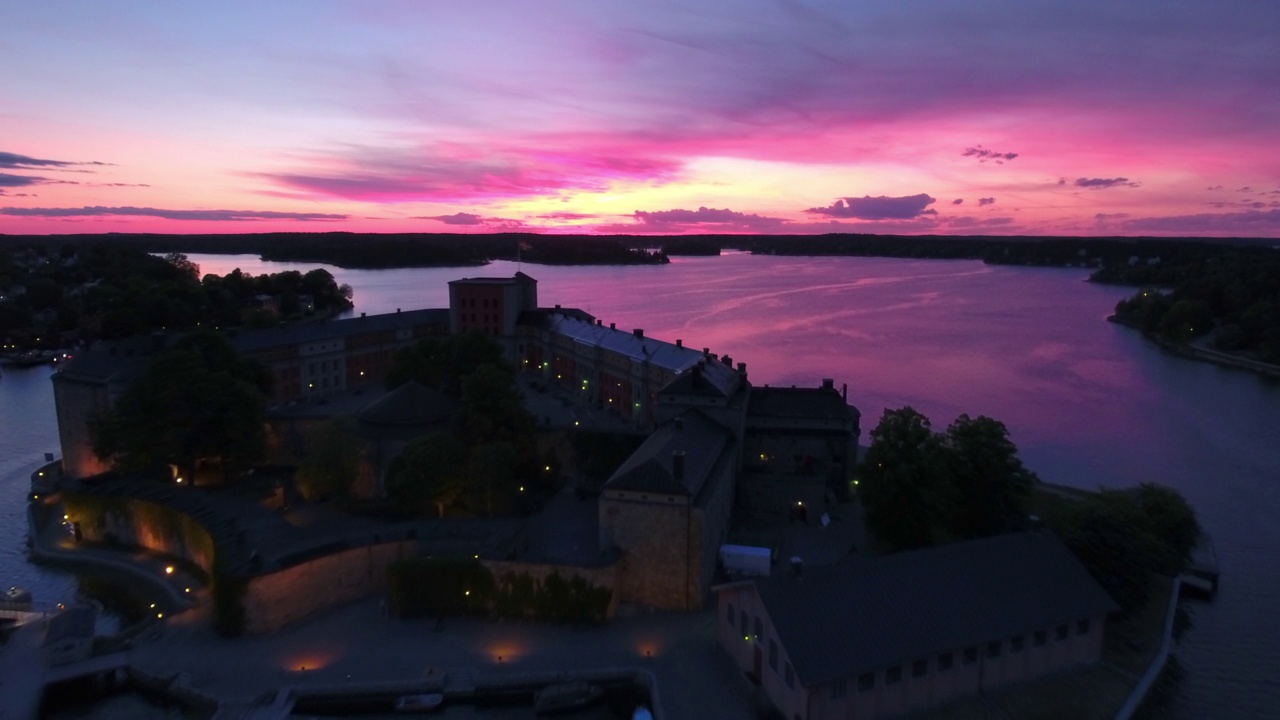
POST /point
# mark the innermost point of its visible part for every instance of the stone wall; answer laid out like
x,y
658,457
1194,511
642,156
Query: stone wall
x,y
140,523
658,535
278,599
606,576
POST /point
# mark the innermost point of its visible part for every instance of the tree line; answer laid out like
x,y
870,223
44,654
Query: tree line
x,y
921,488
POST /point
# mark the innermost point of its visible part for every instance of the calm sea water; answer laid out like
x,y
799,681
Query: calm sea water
x,y
1088,403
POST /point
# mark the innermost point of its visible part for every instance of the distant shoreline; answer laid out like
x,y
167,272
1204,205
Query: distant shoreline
x,y
1198,352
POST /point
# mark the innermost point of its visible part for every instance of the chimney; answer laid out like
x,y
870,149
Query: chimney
x,y
706,352
677,465
828,384
742,368
844,392
363,314
599,322
727,360
679,343
613,326
397,311
639,332
557,306
797,566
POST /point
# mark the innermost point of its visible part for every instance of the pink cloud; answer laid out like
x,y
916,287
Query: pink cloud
x,y
205,215
878,208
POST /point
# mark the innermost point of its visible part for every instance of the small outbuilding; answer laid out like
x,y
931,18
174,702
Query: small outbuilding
x,y
887,636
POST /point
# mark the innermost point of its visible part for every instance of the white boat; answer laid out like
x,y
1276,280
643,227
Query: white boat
x,y
425,702
564,697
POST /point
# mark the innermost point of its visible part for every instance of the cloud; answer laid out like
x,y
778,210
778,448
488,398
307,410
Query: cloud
x,y
958,201
10,180
1214,187
457,172
14,161
1102,183
567,216
703,219
213,215
982,154
1107,217
459,218
878,208
983,202
1248,222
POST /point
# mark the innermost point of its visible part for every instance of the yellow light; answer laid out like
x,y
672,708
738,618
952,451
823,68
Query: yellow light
x,y
179,480
66,517
168,570
468,592
153,606
159,616
855,482
521,488
186,590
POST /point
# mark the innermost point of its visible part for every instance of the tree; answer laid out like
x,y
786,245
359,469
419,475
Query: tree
x,y
992,488
332,461
492,408
492,468
903,485
1106,532
197,400
442,363
430,471
1170,522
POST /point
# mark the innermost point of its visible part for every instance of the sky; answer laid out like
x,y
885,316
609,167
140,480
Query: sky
x,y
1141,117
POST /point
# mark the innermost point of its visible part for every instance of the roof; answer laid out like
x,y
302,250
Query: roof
x,y
702,441
825,403
706,378
637,347
330,329
514,279
862,615
410,404
111,360
74,622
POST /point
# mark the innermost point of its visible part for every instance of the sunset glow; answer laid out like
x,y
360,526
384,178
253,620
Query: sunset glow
x,y
1136,118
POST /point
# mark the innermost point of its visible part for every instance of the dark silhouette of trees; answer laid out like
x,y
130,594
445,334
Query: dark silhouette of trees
x,y
197,401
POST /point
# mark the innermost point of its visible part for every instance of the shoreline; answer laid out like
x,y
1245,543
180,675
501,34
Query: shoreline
x,y
1192,351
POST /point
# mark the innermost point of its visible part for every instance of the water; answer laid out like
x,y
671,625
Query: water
x,y
1088,403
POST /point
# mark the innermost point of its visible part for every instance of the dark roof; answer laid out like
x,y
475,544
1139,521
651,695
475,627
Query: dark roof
x,y
637,347
702,440
706,378
862,615
410,404
331,329
514,279
825,403
111,360
74,622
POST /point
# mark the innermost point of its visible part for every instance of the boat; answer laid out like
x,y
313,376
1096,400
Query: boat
x,y
16,598
563,697
425,702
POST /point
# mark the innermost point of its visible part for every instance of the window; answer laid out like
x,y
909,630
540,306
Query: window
x,y
729,615
919,668
944,662
773,655
1082,627
1015,645
993,649
759,628
1038,638
893,675
1060,632
970,655
790,676
839,689
866,681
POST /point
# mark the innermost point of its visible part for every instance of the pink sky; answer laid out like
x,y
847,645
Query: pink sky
x,y
1030,117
